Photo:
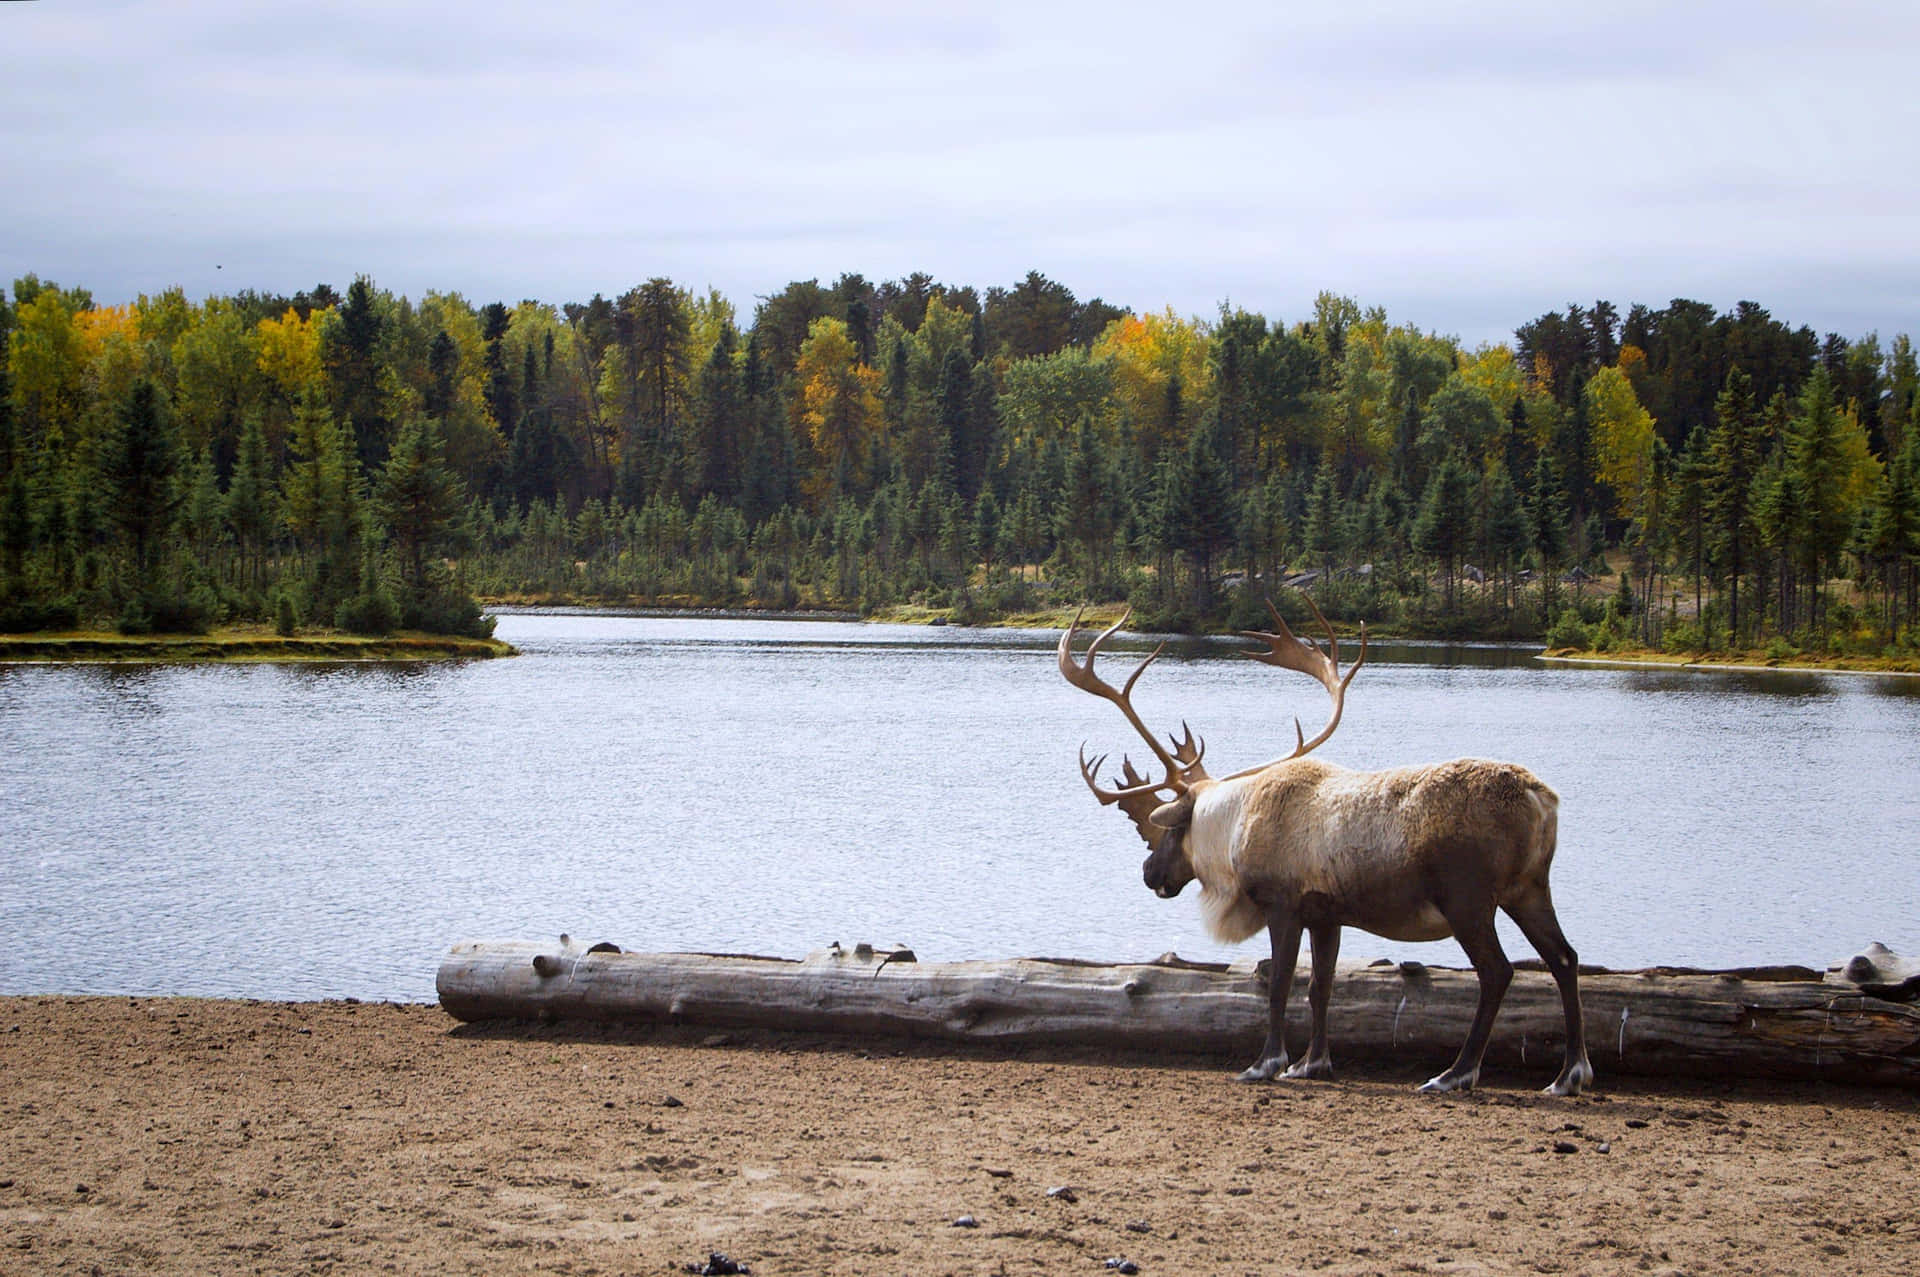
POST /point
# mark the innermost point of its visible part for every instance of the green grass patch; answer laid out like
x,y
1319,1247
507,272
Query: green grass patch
x,y
242,644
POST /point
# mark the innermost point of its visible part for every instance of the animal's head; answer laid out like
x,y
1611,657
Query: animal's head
x,y
1162,809
1168,868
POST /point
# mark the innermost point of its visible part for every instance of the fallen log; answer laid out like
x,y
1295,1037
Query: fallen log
x,y
1781,1022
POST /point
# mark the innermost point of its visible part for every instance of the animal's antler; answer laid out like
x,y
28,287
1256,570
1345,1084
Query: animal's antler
x,y
1288,652
1182,762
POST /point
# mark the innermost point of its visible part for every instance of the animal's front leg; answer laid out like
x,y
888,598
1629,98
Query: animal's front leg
x,y
1284,929
1326,953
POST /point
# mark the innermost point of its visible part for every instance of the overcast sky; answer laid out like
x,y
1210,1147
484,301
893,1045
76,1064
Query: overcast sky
x,y
1467,166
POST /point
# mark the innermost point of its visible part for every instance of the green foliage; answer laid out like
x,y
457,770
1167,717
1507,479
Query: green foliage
x,y
1567,631
372,611
996,451
1683,636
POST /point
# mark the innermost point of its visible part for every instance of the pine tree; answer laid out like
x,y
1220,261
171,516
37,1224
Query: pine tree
x,y
1444,527
139,468
248,496
1210,523
16,534
1813,454
1506,530
322,491
1734,447
1321,531
420,501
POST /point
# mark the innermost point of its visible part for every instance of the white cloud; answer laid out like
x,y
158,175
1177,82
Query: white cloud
x,y
1465,166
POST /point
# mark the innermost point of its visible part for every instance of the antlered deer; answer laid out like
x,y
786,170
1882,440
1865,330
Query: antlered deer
x,y
1411,853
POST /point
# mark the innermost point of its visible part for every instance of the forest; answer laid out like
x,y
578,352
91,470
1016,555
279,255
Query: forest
x,y
1671,477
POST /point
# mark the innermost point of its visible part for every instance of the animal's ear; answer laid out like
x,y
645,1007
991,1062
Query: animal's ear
x,y
1173,815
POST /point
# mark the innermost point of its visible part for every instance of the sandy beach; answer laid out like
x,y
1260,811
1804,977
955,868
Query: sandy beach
x,y
193,1136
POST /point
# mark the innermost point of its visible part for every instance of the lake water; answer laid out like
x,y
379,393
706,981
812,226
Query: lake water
x,y
772,786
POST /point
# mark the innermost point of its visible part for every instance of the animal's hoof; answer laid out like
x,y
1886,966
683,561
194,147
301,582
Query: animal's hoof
x,y
1263,1070
1446,1083
1310,1070
1573,1080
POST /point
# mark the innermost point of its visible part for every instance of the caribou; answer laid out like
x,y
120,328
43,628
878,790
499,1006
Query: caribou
x,y
1299,844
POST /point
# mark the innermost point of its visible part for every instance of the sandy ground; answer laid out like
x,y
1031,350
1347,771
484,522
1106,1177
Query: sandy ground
x,y
187,1136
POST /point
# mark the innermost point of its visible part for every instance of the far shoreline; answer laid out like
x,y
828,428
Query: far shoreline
x,y
85,647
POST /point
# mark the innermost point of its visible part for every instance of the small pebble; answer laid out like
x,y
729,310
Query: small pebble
x,y
966,1221
1123,1266
1564,1146
1064,1193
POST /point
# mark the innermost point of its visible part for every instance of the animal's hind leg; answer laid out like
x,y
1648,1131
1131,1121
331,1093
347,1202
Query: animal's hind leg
x,y
1326,955
1541,926
1474,929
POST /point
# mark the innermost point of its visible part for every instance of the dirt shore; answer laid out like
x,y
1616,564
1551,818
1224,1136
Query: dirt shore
x,y
190,1136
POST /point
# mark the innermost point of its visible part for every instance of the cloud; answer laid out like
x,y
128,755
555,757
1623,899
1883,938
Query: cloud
x,y
1467,167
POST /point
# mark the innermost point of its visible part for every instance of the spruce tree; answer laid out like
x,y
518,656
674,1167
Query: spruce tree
x,y
1444,527
420,501
139,468
1735,446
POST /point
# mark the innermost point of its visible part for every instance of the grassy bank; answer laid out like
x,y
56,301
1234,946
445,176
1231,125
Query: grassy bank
x,y
242,644
1756,659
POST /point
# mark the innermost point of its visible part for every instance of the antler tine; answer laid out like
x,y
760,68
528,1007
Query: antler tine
x,y
1135,785
1080,674
1289,652
1189,749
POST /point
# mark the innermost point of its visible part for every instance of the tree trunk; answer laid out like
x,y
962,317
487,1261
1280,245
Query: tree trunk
x,y
1765,1022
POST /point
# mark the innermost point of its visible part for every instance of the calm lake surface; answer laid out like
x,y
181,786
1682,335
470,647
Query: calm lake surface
x,y
773,786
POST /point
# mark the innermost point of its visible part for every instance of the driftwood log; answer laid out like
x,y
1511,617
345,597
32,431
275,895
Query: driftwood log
x,y
1793,1022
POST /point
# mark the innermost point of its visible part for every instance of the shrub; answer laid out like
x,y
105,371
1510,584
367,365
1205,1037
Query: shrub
x,y
372,611
285,618
446,612
1567,631
1683,636
24,616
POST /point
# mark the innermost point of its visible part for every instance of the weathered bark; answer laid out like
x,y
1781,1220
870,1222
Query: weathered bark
x,y
1766,1022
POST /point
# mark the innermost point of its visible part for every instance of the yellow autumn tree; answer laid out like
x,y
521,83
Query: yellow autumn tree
x,y
288,350
1162,376
1494,370
217,375
112,358
840,413
454,385
45,359
1622,433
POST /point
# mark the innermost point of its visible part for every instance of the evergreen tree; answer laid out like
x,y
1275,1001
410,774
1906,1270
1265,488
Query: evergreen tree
x,y
248,496
1208,525
139,468
1735,448
718,422
1506,531
1321,531
322,506
1692,474
1814,456
1084,514
420,501
986,527
16,534
1892,538
1444,527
